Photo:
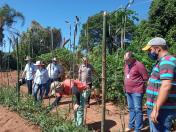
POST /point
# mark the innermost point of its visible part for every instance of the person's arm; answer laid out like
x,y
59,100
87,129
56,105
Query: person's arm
x,y
162,97
143,72
77,94
24,72
59,71
79,72
55,103
34,69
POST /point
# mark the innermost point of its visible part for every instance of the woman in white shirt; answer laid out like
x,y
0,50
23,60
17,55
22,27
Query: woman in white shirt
x,y
40,80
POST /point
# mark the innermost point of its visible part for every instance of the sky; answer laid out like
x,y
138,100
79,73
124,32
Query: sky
x,y
54,13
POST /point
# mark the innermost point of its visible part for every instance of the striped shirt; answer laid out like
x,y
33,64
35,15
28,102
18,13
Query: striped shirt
x,y
164,69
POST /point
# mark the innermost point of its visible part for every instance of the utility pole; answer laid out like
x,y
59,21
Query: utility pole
x,y
121,36
18,70
87,33
103,72
52,45
74,43
29,47
125,20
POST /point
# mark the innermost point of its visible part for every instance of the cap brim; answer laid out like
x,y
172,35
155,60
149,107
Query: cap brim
x,y
147,47
28,59
39,64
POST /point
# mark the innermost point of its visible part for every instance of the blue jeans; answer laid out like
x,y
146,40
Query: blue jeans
x,y
135,111
38,87
29,85
47,87
164,120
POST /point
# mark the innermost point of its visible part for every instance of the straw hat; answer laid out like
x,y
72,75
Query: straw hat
x,y
39,63
54,59
28,58
84,58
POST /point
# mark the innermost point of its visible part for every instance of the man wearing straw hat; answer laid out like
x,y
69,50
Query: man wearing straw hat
x,y
28,73
40,80
54,70
54,73
161,90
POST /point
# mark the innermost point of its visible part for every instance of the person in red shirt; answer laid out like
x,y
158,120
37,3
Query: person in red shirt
x,y
135,76
68,87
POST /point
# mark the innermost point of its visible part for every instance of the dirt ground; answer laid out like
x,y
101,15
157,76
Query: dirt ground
x,y
12,122
114,114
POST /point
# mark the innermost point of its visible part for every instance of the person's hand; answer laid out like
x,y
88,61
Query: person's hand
x,y
75,107
154,115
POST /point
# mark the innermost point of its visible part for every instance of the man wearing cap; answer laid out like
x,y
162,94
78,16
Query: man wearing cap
x,y
135,76
85,74
28,73
40,80
161,89
54,73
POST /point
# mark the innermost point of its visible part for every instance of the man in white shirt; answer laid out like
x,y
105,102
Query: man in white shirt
x,y
28,73
54,71
40,80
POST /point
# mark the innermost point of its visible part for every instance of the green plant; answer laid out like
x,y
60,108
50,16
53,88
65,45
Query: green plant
x,y
36,112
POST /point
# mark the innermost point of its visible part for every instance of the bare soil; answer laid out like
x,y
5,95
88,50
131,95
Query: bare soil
x,y
12,122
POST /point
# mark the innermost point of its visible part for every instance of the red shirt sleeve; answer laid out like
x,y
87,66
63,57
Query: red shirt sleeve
x,y
143,71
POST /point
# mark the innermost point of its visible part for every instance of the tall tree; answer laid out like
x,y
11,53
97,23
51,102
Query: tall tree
x,y
37,40
162,16
8,16
91,33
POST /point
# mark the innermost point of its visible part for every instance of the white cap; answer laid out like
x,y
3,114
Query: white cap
x,y
39,63
157,41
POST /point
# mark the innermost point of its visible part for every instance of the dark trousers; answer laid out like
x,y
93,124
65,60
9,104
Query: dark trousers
x,y
88,100
29,85
55,79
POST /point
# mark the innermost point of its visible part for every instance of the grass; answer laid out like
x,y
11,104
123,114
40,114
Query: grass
x,y
36,112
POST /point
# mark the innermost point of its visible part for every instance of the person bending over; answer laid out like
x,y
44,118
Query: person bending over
x,y
68,87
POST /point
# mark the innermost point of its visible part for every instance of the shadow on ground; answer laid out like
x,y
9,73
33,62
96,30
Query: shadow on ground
x,y
97,125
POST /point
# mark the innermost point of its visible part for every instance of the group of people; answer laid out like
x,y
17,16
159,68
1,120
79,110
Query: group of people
x,y
44,80
39,77
160,88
